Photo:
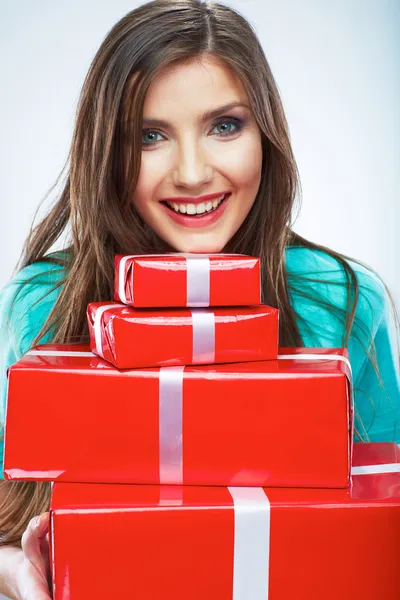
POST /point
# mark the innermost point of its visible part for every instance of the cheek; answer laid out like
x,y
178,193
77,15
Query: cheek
x,y
243,164
150,180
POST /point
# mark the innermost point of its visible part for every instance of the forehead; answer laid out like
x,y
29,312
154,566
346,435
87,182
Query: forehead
x,y
193,83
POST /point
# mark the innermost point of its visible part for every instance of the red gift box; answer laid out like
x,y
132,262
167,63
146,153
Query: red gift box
x,y
193,280
142,337
72,416
232,543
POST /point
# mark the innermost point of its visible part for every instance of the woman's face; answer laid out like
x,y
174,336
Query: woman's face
x,y
190,159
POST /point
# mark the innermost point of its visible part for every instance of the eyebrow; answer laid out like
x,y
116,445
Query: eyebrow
x,y
206,116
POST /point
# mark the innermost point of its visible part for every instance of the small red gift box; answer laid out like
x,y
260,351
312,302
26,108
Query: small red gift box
x,y
72,416
142,337
192,280
230,543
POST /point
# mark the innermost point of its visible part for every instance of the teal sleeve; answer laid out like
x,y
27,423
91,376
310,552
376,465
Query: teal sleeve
x,y
377,399
25,303
377,407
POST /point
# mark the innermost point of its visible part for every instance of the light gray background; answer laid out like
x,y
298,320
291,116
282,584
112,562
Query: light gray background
x,y
337,65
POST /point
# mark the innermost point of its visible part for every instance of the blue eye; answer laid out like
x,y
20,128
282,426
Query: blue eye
x,y
234,126
152,133
229,121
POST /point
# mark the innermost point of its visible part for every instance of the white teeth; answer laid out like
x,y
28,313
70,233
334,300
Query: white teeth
x,y
196,209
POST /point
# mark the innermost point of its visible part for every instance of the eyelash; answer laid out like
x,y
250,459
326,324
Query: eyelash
x,y
231,120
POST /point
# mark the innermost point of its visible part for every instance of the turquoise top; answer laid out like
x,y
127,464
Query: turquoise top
x,y
23,312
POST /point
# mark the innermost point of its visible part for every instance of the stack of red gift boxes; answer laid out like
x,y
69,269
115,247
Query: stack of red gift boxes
x,y
193,458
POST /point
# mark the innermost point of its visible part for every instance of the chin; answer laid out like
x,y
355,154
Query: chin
x,y
199,248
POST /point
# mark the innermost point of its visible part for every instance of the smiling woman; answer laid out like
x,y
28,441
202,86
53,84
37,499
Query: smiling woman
x,y
181,143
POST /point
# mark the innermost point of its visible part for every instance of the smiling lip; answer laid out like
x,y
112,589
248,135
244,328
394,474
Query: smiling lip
x,y
197,221
193,200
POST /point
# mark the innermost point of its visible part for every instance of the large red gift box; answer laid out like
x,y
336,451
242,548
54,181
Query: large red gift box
x,y
180,280
71,416
143,337
152,542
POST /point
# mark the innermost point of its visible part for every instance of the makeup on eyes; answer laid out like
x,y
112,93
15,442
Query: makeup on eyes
x,y
208,116
238,122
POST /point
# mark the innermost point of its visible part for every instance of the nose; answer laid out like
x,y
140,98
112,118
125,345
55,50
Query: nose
x,y
193,167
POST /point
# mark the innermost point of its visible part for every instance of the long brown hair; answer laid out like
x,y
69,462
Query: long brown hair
x,y
103,171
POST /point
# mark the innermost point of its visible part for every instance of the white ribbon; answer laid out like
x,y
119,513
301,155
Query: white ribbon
x,y
252,514
198,281
171,495
58,353
170,425
376,469
121,279
316,357
97,325
203,324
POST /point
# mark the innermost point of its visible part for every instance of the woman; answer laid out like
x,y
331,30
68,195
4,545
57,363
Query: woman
x,y
180,103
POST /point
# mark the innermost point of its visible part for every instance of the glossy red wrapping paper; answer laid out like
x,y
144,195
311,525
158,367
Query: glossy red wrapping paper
x,y
152,542
131,337
180,280
285,422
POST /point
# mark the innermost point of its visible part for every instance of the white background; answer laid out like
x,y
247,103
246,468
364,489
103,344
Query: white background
x,y
337,66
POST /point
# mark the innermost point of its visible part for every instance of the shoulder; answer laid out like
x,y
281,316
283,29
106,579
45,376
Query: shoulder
x,y
46,271
301,260
32,283
328,276
322,292
28,298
